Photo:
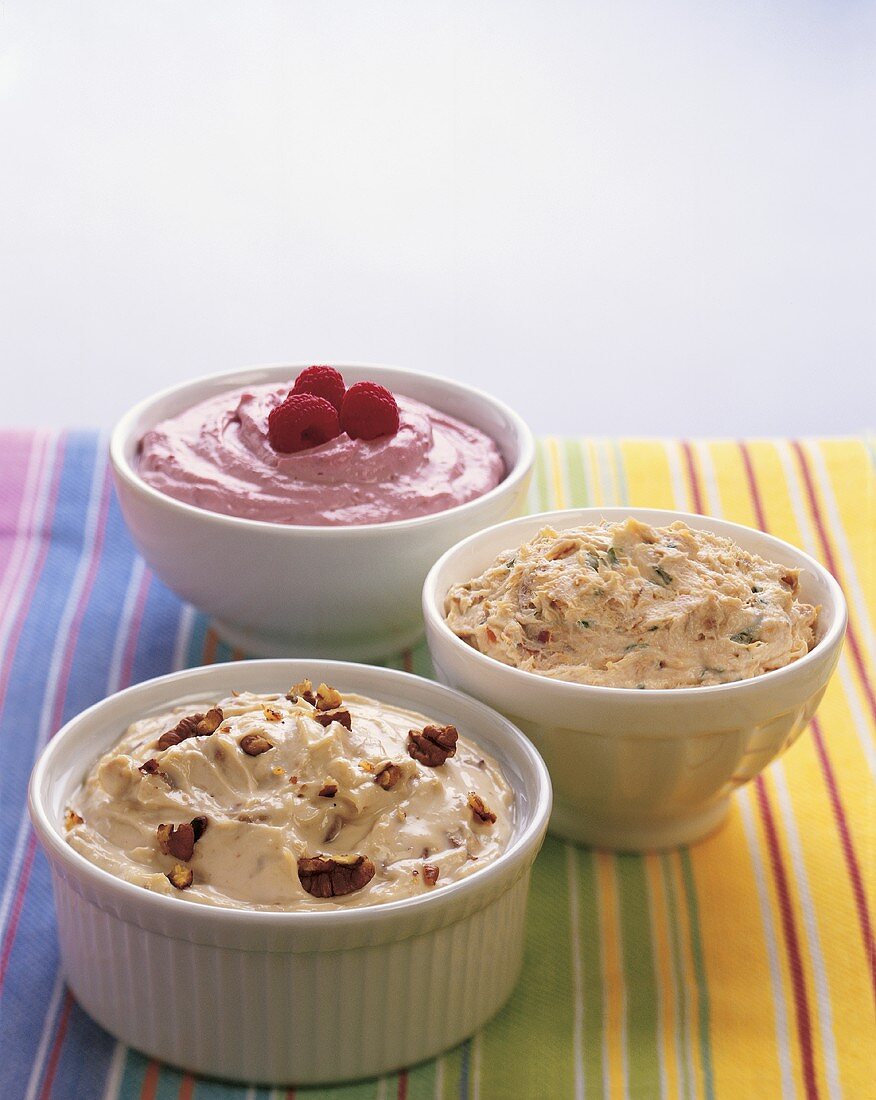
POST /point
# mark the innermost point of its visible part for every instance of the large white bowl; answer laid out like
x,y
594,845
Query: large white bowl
x,y
300,997
284,590
643,769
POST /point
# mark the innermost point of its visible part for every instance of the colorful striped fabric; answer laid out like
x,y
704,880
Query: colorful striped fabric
x,y
744,967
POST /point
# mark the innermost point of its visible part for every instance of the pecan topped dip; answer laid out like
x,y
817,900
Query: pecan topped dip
x,y
308,800
628,605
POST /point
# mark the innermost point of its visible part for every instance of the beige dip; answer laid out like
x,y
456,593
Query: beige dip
x,y
627,605
251,814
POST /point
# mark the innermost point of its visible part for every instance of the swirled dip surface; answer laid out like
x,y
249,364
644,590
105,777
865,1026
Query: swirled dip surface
x,y
627,605
265,812
216,455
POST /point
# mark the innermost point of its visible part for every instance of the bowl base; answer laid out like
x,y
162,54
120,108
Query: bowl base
x,y
373,647
660,836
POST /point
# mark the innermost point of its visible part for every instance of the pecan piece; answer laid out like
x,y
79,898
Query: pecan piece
x,y
177,841
334,876
304,691
193,725
329,790
433,745
254,744
180,877
71,819
327,698
199,826
326,717
480,811
149,767
430,874
388,776
271,713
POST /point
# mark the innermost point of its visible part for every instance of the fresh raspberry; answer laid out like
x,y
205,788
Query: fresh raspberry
x,y
323,382
369,411
302,421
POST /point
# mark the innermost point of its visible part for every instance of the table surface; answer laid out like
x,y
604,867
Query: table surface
x,y
741,967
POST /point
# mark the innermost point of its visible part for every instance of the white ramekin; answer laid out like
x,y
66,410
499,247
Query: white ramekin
x,y
284,590
289,998
641,769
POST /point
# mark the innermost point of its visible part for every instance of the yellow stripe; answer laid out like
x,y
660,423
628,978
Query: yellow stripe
x,y
613,975
557,484
669,1019
648,476
688,972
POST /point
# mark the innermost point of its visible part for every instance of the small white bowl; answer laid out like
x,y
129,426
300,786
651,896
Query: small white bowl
x,y
648,769
290,998
284,590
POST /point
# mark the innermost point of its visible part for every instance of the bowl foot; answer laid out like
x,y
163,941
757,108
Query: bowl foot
x,y
254,644
659,836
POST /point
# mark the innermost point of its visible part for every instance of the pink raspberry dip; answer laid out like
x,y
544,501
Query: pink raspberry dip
x,y
216,455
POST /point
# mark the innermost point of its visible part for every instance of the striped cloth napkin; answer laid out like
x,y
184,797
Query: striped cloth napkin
x,y
743,967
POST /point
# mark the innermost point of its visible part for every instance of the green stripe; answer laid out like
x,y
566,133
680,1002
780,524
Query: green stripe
x,y
540,494
643,1054
700,971
576,479
676,947
421,1082
591,966
527,1049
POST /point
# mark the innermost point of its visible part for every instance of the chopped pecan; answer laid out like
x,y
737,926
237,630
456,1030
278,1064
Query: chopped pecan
x,y
326,717
334,876
254,744
199,825
150,767
480,811
181,877
329,790
433,745
327,698
193,725
388,776
430,874
177,841
271,713
71,819
304,691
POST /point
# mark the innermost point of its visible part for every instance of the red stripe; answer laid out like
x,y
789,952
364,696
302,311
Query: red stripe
x,y
792,942
692,479
804,1024
403,1085
852,865
18,905
815,509
36,572
848,848
408,661
150,1081
54,1057
187,1087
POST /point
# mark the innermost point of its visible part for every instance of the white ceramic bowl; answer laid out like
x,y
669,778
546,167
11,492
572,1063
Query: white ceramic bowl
x,y
283,590
287,998
644,769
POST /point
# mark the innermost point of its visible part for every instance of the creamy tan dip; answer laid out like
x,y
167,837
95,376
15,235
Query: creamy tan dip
x,y
627,605
282,807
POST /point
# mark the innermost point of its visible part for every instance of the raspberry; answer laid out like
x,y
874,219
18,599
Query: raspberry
x,y
322,382
369,411
303,420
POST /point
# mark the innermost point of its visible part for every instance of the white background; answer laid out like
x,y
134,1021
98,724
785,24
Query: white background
x,y
622,217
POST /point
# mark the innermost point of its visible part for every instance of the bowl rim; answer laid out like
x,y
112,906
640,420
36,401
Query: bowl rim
x,y
123,429
433,612
145,901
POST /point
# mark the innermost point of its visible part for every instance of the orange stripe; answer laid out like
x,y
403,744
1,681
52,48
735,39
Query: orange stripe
x,y
150,1081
